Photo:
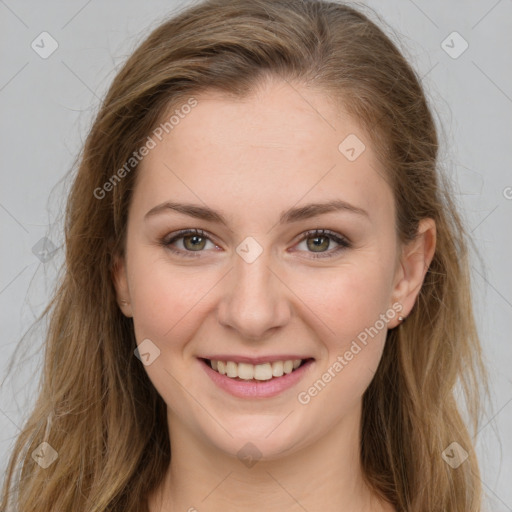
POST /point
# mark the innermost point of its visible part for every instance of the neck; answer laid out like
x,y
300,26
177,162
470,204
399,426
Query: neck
x,y
324,475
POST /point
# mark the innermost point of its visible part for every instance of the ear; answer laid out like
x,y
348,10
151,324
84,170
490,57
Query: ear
x,y
415,259
120,280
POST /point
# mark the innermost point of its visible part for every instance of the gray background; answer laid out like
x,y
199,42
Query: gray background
x,y
47,106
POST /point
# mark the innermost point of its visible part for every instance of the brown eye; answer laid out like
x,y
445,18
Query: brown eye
x,y
193,241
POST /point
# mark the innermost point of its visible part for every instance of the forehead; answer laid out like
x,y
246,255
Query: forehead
x,y
278,147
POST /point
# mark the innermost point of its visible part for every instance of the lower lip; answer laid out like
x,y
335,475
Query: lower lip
x,y
255,389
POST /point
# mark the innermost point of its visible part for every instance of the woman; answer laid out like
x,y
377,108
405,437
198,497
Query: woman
x,y
266,303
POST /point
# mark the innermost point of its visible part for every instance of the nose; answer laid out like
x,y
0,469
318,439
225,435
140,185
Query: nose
x,y
255,301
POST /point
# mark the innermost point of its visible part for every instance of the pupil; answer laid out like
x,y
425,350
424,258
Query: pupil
x,y
197,241
318,244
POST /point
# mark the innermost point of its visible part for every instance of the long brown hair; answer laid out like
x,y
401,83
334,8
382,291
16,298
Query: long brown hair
x,y
97,407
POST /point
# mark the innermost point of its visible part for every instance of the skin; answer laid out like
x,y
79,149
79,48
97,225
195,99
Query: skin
x,y
238,157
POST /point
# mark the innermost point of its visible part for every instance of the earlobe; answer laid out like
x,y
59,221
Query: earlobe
x,y
415,260
120,281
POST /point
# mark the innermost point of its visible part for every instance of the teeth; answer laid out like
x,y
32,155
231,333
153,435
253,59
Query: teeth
x,y
288,367
221,367
245,371
277,368
264,371
231,369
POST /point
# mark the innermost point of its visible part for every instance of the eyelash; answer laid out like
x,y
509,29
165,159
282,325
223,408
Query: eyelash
x,y
315,233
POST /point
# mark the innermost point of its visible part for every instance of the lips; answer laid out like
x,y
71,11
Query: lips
x,y
266,386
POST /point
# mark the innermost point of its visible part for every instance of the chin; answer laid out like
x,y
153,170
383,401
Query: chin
x,y
263,438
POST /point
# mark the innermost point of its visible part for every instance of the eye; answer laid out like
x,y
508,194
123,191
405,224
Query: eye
x,y
319,240
193,241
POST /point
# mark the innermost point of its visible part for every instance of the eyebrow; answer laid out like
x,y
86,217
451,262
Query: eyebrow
x,y
288,216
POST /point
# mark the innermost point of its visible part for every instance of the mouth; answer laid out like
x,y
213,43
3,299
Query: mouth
x,y
247,372
264,380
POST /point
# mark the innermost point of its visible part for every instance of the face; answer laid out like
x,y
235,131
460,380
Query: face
x,y
256,282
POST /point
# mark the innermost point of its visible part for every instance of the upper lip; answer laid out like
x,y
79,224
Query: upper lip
x,y
255,360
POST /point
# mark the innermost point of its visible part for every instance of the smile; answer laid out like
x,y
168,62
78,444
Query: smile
x,y
263,380
247,371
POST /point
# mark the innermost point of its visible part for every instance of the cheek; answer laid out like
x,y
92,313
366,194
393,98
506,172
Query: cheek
x,y
164,298
167,309
350,298
355,308
354,302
